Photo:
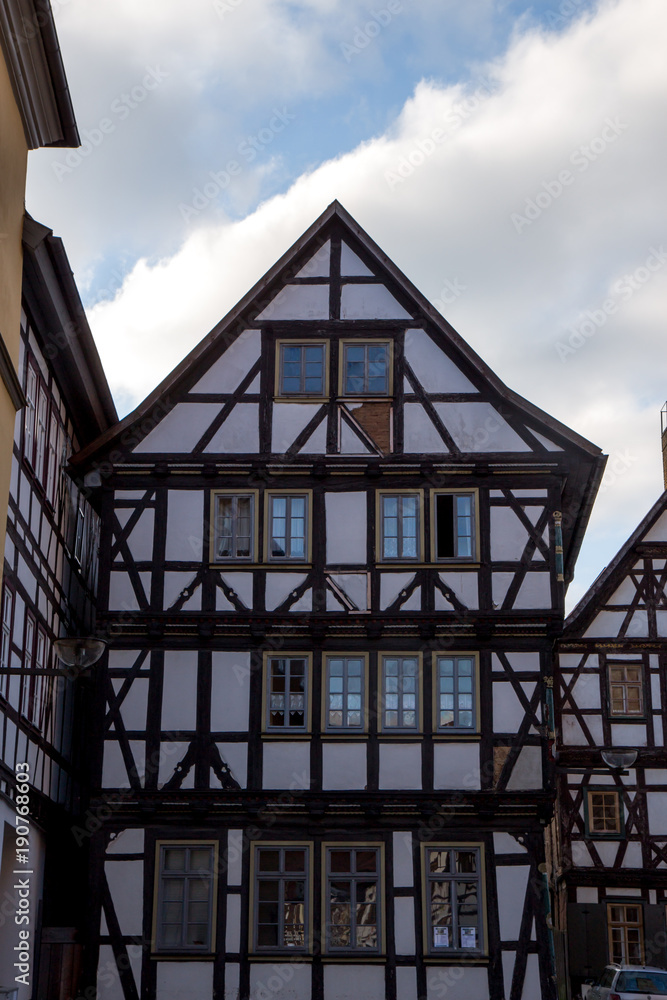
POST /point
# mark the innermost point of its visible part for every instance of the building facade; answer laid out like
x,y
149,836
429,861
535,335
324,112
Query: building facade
x,y
331,572
49,584
610,833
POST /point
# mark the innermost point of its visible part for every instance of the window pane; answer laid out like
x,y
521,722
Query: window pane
x,y
174,859
269,860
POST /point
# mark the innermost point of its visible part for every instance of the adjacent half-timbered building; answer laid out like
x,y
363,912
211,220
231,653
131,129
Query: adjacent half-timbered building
x,y
332,558
610,834
49,581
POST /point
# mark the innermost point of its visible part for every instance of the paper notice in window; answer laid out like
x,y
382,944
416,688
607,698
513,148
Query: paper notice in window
x,y
441,937
468,937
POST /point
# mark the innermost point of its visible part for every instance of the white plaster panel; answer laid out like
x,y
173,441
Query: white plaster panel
x,y
549,445
180,429
129,494
184,981
346,527
633,856
221,602
333,603
241,584
655,776
317,442
233,936
508,712
606,851
391,585
171,752
233,860
658,533
175,584
478,427
344,766
508,535
108,980
586,691
459,982
420,435
114,772
230,691
519,661
227,373
605,623
406,983
239,433
289,419
509,958
318,265
232,980
354,982
179,690
185,525
298,302
531,985
127,842
658,731
504,843
656,803
123,659
623,594
286,765
434,369
441,603
355,586
134,705
236,756
500,584
400,765
279,586
456,765
661,622
535,591
350,442
253,388
352,266
624,735
586,894
414,601
465,587
370,302
404,923
281,981
638,627
304,603
121,592
527,772
140,539
403,862
511,886
126,885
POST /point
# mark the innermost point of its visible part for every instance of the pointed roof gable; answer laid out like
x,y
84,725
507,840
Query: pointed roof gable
x,y
650,534
335,274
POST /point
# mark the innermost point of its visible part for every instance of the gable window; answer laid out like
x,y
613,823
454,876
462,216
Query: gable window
x,y
280,903
625,928
603,813
288,526
345,694
400,526
456,694
6,643
366,369
301,369
286,694
400,693
184,921
234,525
454,899
626,689
353,902
454,525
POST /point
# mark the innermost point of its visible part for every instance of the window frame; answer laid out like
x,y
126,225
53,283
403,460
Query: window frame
x,y
456,730
6,640
475,538
625,925
612,664
440,953
591,833
32,381
269,496
254,527
355,951
345,731
157,948
346,342
379,521
402,730
279,394
287,732
282,845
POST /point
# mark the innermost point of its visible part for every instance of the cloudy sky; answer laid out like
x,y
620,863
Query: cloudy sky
x,y
509,156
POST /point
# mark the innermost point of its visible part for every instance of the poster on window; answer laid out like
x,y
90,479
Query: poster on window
x,y
441,937
468,937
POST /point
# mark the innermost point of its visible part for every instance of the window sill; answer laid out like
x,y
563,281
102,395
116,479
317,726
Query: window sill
x,y
457,737
300,735
301,399
456,957
355,958
182,956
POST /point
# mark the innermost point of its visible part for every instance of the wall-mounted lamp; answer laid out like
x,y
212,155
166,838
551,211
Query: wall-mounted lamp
x,y
616,759
78,652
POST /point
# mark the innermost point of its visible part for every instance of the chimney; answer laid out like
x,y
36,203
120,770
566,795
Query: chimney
x,y
663,428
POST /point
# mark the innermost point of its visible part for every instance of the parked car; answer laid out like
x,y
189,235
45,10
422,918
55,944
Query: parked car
x,y
628,982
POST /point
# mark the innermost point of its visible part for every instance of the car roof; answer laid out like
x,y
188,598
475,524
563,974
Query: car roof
x,y
635,968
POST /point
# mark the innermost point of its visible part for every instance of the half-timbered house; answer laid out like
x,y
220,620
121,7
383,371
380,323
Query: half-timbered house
x,y
49,581
610,828
331,570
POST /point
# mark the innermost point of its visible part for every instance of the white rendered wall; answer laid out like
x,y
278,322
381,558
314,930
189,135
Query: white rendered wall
x,y
346,527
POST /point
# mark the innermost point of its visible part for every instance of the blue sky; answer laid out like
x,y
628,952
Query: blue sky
x,y
216,131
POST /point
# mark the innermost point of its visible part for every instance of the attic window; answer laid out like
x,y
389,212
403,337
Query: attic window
x,y
301,369
366,368
454,525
